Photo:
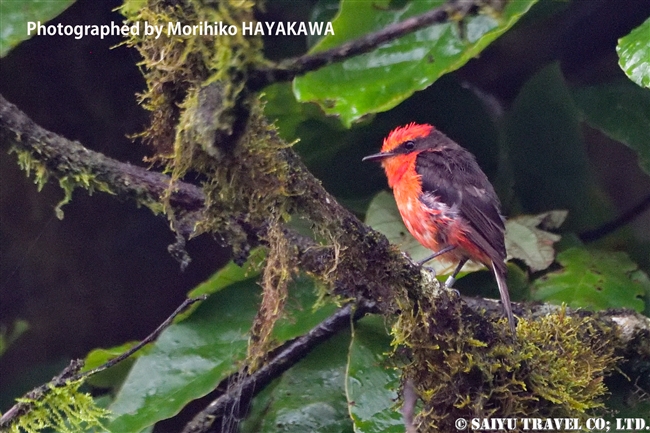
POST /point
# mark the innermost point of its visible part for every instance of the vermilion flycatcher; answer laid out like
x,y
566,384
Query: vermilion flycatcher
x,y
446,201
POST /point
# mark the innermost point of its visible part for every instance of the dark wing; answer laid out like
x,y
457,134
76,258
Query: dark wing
x,y
452,175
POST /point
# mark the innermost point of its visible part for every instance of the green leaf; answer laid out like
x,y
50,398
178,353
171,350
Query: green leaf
x,y
323,11
371,383
634,54
15,14
303,313
533,245
547,153
620,111
379,80
230,274
595,280
188,360
310,397
383,216
114,376
191,357
7,338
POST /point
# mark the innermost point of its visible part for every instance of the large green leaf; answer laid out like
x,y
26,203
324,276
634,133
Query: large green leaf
x,y
622,112
594,279
547,153
114,376
15,14
191,357
371,382
188,360
230,274
381,79
310,397
634,54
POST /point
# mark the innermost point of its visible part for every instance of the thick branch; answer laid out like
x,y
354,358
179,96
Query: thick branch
x,y
65,158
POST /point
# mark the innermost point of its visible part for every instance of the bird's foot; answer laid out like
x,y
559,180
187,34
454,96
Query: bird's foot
x,y
450,282
430,269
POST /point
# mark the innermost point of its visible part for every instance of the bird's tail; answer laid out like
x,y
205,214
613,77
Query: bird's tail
x,y
500,276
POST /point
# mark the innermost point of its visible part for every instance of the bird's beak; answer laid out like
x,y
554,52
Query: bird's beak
x,y
378,156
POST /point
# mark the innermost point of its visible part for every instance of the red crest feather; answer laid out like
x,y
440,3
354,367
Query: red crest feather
x,y
404,133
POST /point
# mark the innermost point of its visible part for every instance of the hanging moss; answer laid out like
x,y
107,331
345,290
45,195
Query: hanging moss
x,y
83,179
205,122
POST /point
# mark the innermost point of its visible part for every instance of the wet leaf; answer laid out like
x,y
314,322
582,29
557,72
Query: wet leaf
x,y
114,376
310,397
188,360
372,383
191,357
634,54
622,112
547,153
379,80
595,280
15,16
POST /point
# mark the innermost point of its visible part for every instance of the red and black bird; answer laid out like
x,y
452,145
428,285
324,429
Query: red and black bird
x,y
446,201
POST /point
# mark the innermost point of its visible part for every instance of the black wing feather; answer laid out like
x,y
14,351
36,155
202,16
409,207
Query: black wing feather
x,y
458,181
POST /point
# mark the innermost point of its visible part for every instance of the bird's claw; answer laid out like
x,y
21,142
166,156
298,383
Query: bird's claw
x,y
430,269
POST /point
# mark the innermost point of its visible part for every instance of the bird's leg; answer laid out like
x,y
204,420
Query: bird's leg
x,y
439,253
452,278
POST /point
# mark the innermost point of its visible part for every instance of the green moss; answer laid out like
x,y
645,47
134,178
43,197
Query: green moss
x,y
205,122
178,69
29,164
84,180
87,180
473,368
63,409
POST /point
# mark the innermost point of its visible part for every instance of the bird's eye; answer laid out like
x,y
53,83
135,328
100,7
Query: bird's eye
x,y
409,145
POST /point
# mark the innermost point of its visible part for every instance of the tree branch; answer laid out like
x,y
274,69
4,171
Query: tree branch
x,y
612,226
64,158
291,68
235,401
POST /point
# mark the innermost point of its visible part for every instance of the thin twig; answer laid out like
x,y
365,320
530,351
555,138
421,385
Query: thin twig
x,y
612,226
71,372
235,401
289,69
148,339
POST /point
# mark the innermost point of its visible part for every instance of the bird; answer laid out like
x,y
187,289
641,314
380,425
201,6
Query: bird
x,y
446,201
